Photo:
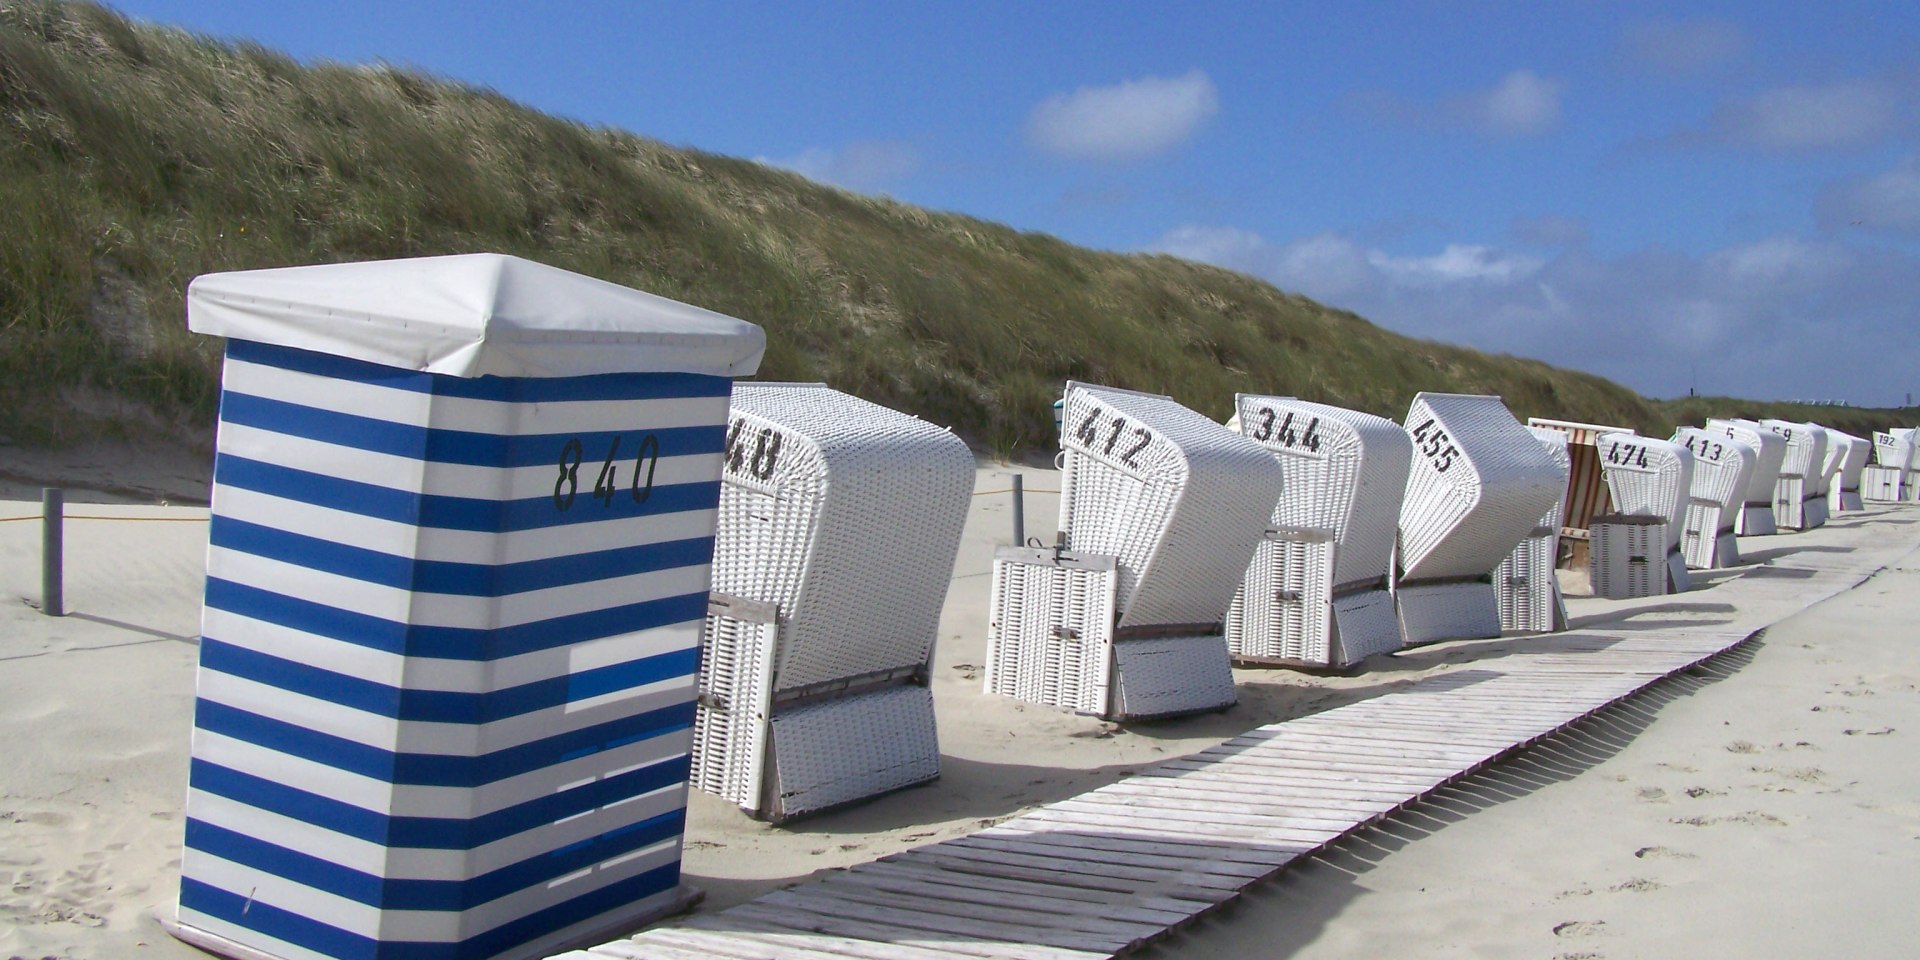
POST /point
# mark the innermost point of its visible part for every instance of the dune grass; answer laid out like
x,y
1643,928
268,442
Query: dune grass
x,y
137,157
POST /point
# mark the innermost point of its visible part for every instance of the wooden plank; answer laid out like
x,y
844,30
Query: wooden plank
x,y
1086,874
1239,762
1078,858
856,929
1120,905
1264,778
1226,791
938,906
930,882
1205,858
911,916
1222,851
1120,821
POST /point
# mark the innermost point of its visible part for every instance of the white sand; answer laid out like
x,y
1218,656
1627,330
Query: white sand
x,y
97,707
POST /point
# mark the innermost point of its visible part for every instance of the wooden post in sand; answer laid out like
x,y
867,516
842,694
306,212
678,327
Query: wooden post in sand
x,y
53,514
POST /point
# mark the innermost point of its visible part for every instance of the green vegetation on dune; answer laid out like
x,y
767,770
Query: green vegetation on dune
x,y
137,157
1859,421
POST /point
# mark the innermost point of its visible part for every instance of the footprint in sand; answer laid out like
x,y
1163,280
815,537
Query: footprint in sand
x,y
1652,795
1742,746
1580,891
1579,928
1698,792
1637,885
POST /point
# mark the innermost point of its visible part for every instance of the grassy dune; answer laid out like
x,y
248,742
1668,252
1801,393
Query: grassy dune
x,y
137,157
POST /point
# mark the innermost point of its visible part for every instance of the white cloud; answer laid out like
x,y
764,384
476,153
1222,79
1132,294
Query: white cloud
x,y
1682,47
1846,114
1126,121
1522,104
1886,201
1780,317
862,165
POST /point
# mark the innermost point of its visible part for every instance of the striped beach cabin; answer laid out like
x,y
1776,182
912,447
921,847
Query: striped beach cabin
x,y
462,534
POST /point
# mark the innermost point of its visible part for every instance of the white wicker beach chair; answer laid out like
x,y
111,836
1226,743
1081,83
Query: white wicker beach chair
x,y
1528,590
1848,454
1478,485
1318,591
1722,471
1886,480
839,521
1160,512
1652,478
1627,557
1909,438
1770,449
1797,501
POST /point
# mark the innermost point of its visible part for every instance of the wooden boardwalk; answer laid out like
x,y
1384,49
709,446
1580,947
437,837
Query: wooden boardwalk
x,y
1109,871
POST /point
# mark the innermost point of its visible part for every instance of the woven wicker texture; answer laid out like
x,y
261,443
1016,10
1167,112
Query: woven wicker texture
x,y
1050,634
1756,515
836,751
1722,472
1478,484
730,727
1527,591
1284,610
1179,499
1365,623
1345,471
1525,585
1850,456
1649,478
1432,612
1880,484
847,516
1799,484
1627,558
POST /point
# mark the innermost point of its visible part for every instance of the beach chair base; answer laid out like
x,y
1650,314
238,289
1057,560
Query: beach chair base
x,y
1529,593
1756,520
1448,610
1880,484
1052,641
834,752
1630,558
1288,613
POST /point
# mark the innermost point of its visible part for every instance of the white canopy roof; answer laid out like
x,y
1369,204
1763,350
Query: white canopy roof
x,y
472,315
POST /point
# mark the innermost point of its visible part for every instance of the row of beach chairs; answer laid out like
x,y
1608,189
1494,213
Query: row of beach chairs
x,y
1297,534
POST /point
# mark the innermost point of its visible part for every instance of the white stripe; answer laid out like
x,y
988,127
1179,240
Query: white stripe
x,y
457,546
418,863
414,926
271,946
426,737
413,800
433,673
435,478
496,417
451,610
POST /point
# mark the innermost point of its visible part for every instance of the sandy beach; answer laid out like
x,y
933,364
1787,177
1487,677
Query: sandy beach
x,y
1759,807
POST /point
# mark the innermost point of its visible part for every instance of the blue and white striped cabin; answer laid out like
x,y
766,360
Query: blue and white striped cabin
x,y
447,671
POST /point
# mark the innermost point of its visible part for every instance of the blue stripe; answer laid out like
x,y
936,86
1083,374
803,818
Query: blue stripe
x,y
454,513
447,577
439,706
434,833
285,925
438,769
605,386
439,445
450,643
445,895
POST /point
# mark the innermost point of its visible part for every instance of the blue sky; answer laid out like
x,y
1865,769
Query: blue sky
x,y
1720,195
